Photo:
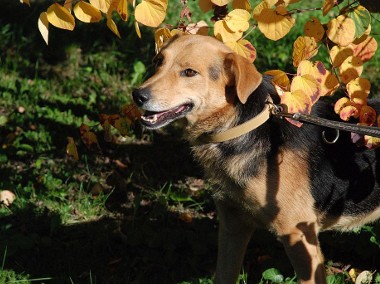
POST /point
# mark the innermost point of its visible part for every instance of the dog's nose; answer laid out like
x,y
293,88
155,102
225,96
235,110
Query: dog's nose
x,y
141,96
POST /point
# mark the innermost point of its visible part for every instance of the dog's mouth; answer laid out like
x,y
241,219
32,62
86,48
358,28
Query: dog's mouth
x,y
153,119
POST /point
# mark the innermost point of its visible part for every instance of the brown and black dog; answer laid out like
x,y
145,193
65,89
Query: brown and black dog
x,y
279,176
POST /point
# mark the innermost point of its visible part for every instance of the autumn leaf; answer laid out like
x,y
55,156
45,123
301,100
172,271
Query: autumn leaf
x,y
274,24
297,101
328,5
371,142
102,5
199,28
313,28
220,2
89,138
60,17
280,79
241,4
358,90
340,53
87,13
151,13
43,26
367,115
122,9
341,30
308,85
304,48
223,33
7,197
361,18
340,104
137,29
366,49
160,37
112,26
244,48
205,5
27,2
237,20
71,148
350,110
259,8
351,68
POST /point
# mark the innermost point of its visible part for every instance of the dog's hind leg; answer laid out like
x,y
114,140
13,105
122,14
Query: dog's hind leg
x,y
234,235
302,247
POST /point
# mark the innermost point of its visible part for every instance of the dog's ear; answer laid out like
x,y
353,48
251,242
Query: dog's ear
x,y
243,75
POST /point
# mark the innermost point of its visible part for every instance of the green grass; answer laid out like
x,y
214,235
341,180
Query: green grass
x,y
139,211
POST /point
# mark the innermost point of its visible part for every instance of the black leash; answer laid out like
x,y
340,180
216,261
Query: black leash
x,y
359,129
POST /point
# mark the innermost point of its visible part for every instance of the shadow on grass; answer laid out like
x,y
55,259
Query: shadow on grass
x,y
147,242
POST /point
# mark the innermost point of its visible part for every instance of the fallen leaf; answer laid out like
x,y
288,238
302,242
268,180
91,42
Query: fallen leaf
x,y
7,197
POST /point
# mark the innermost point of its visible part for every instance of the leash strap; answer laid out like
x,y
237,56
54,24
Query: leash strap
x,y
359,129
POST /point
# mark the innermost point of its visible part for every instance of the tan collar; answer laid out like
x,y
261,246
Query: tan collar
x,y
243,128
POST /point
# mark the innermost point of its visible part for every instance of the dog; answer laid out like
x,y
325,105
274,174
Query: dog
x,y
278,176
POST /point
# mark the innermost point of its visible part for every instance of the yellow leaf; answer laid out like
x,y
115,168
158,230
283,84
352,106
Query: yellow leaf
x,y
275,24
244,48
237,20
371,143
341,30
328,83
102,5
60,17
151,13
328,5
112,26
43,26
137,29
308,84
223,33
87,13
360,85
358,90
122,9
160,37
297,101
340,53
291,1
68,5
280,79
220,2
366,49
340,104
259,8
364,36
313,28
304,48
205,5
71,148
271,2
350,69
241,4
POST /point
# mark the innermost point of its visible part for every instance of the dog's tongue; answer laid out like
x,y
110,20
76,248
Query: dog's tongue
x,y
153,118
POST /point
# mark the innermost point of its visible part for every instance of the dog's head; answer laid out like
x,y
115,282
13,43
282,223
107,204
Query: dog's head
x,y
196,77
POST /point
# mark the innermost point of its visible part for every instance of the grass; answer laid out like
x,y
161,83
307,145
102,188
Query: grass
x,y
139,212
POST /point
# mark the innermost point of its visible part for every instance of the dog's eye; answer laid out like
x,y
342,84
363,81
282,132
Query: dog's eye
x,y
189,73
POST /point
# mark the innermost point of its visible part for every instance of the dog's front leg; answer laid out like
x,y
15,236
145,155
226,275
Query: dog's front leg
x,y
234,235
302,247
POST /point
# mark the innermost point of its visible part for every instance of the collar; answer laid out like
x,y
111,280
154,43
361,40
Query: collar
x,y
243,128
